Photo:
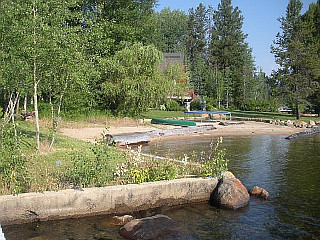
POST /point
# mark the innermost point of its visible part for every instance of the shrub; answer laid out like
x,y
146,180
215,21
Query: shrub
x,y
13,174
215,163
196,105
172,105
90,169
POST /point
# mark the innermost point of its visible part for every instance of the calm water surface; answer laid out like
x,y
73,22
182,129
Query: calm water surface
x,y
289,170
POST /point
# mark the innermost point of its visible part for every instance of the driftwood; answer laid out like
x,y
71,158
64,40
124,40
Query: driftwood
x,y
230,123
309,131
138,138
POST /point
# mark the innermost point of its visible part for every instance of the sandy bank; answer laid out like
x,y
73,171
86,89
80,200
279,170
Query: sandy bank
x,y
247,129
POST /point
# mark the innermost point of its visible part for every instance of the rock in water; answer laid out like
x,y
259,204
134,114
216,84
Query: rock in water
x,y
121,220
258,192
156,227
230,194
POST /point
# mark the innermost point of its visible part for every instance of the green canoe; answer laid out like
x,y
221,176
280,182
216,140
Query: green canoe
x,y
175,122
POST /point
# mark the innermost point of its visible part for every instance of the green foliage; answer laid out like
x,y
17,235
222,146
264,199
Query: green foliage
x,y
172,105
196,105
170,30
260,105
230,56
133,80
177,79
138,169
295,50
90,169
215,163
13,175
197,31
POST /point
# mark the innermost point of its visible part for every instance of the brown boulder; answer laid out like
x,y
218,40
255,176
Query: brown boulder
x,y
156,227
258,192
230,194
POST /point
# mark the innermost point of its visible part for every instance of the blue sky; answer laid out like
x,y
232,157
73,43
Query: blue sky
x,y
260,23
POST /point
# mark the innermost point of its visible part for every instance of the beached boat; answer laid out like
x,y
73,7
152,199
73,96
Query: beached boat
x,y
174,122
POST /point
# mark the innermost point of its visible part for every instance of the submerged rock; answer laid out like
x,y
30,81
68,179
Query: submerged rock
x,y
230,194
121,220
259,192
156,227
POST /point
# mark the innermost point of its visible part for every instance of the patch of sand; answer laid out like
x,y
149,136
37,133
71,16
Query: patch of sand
x,y
247,129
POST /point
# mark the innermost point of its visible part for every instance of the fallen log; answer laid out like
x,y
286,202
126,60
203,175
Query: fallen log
x,y
139,138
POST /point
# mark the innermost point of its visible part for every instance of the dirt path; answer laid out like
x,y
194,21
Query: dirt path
x,y
247,129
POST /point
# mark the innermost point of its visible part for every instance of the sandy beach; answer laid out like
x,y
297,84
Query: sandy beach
x,y
90,134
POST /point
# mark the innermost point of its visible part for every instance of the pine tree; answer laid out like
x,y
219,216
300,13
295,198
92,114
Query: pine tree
x,y
228,52
196,47
312,17
296,55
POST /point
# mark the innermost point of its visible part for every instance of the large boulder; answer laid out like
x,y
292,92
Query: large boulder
x,y
259,192
230,194
156,227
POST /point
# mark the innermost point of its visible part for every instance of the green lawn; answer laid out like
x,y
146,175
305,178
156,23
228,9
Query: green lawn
x,y
271,115
244,114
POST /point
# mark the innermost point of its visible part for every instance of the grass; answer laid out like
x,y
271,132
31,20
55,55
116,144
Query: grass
x,y
271,115
162,114
47,170
244,114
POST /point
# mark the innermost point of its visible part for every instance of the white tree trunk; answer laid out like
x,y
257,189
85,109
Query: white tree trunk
x,y
35,104
25,103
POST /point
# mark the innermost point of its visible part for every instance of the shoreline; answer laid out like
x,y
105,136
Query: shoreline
x,y
248,128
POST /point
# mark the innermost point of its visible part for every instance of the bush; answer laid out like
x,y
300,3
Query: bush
x,y
195,105
260,105
215,163
13,175
172,105
90,170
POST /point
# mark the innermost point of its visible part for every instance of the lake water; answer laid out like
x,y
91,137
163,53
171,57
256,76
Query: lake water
x,y
288,169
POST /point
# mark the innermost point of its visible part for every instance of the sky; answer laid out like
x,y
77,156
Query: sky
x,y
260,23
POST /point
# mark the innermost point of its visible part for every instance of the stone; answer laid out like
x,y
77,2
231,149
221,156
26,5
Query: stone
x,y
312,123
228,174
259,192
105,224
301,124
156,227
121,220
230,194
290,124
